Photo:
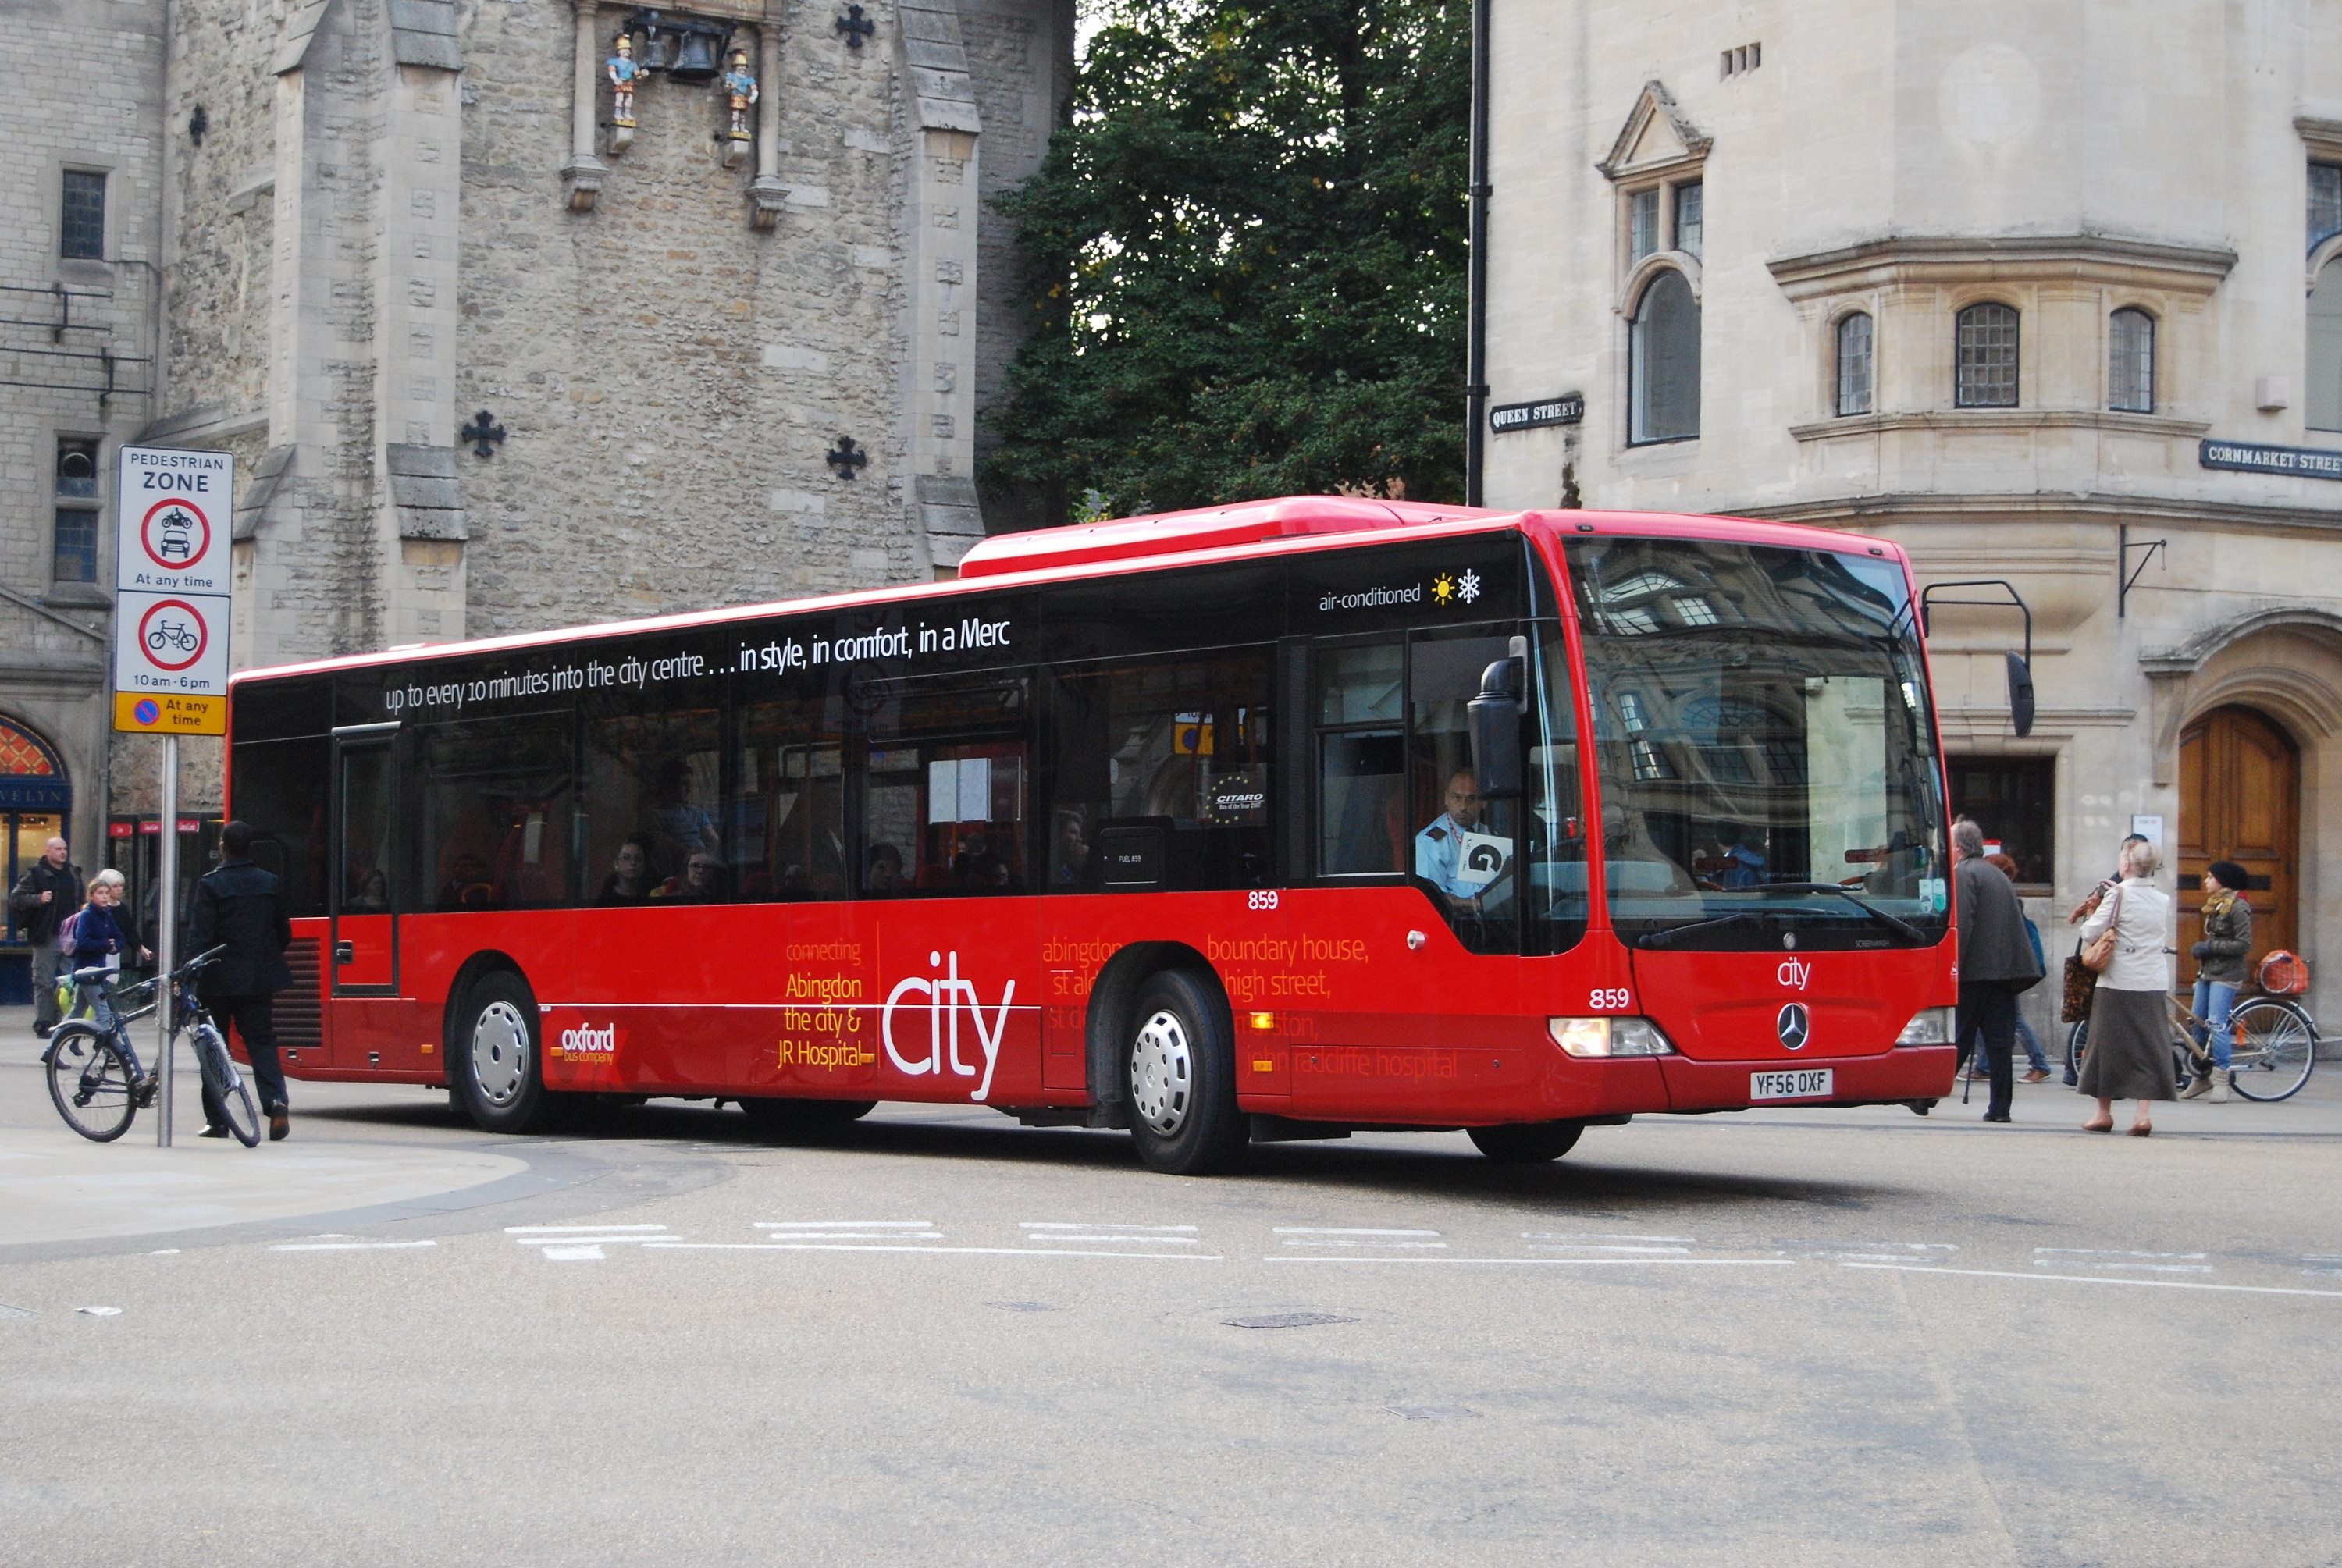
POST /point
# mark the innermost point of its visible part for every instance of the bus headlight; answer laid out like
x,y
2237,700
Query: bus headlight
x,y
1928,1026
1609,1037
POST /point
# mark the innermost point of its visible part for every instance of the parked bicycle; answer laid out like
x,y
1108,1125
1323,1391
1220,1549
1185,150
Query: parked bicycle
x,y
2272,1047
95,1079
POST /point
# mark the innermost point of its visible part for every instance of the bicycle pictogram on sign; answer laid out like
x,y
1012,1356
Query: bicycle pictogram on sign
x,y
173,634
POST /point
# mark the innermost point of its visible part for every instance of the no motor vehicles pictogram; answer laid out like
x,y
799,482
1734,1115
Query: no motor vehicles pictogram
x,y
175,533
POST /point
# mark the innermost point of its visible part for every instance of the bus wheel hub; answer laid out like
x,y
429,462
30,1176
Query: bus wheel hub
x,y
500,1053
1162,1071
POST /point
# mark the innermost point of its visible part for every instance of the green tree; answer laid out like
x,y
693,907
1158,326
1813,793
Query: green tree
x,y
1249,249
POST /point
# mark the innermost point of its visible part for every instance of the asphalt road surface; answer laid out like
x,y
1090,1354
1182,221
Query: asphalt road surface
x,y
1794,1337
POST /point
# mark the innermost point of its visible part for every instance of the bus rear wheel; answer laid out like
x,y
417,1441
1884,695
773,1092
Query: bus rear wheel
x,y
1181,1075
496,1058
1527,1142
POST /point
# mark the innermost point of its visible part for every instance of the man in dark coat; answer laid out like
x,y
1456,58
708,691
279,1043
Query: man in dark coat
x,y
1996,960
237,904
50,889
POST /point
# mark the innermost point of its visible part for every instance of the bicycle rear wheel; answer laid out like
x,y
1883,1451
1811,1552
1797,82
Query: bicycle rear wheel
x,y
2077,1040
90,1084
228,1087
2276,1047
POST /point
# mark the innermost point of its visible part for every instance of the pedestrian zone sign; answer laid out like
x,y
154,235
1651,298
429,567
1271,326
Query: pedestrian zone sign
x,y
171,590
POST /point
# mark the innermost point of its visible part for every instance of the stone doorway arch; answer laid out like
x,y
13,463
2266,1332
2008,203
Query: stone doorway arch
x,y
2240,800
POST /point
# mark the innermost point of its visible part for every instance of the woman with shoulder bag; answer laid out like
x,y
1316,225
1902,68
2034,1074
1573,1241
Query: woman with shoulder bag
x,y
2129,1056
2220,970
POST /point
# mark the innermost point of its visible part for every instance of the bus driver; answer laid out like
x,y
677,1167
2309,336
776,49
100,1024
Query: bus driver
x,y
1466,866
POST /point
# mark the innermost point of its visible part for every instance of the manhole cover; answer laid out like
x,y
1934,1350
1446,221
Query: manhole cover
x,y
1431,1412
1286,1319
1024,1306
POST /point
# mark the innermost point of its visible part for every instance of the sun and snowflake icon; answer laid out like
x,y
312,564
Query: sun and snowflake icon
x,y
1443,587
1468,587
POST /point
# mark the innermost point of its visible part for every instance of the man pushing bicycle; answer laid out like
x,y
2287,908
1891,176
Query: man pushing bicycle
x,y
239,906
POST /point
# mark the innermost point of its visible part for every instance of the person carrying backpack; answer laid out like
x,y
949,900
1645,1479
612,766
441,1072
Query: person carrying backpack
x,y
48,894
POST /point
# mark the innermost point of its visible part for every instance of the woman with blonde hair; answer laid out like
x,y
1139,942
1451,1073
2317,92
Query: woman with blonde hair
x,y
2129,1055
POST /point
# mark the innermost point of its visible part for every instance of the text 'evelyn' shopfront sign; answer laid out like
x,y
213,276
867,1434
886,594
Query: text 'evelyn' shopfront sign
x,y
2252,457
1566,409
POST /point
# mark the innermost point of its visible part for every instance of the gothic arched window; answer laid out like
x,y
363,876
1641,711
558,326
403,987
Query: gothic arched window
x,y
1857,364
2130,361
2322,399
1663,362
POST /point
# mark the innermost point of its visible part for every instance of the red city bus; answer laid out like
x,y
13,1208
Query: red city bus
x,y
1270,822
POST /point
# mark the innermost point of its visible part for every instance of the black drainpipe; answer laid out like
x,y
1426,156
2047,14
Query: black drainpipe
x,y
1476,343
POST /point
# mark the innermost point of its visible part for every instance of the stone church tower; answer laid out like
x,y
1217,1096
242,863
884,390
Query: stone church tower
x,y
494,359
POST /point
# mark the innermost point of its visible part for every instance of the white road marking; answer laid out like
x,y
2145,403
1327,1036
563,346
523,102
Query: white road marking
x,y
1558,1262
1603,1237
102,1312
856,1230
1114,1236
1915,1253
585,1254
576,1230
1079,1225
2100,1280
824,1246
2114,1260
347,1246
584,1243
1373,1242
2320,1265
1344,1231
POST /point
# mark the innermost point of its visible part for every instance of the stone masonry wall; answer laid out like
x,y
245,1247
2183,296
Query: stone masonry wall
x,y
669,377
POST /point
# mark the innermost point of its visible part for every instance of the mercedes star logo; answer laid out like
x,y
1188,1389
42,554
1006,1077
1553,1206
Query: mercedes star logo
x,y
1793,1026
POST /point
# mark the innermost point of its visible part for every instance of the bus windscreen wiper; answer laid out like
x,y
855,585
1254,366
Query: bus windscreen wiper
x,y
1902,928
1668,937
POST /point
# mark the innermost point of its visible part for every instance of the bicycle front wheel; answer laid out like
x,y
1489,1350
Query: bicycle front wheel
x,y
2077,1040
90,1082
228,1089
2276,1047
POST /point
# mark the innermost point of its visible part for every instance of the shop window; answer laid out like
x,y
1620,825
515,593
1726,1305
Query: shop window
x,y
2014,800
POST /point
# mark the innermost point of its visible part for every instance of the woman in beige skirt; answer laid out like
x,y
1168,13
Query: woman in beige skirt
x,y
2129,1054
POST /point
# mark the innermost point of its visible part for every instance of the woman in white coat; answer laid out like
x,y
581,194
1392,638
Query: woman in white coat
x,y
2129,1054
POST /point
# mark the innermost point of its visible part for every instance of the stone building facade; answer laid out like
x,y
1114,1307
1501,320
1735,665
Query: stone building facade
x,y
489,361
2046,293
78,296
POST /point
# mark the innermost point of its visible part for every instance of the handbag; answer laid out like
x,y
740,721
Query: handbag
x,y
2081,985
2101,949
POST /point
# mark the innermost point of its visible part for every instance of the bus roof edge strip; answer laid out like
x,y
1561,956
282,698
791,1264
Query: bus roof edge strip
x,y
1204,528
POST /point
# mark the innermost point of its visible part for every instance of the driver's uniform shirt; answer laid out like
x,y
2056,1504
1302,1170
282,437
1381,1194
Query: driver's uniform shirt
x,y
1438,852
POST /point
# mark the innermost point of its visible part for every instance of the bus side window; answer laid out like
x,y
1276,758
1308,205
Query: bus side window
x,y
1464,845
493,828
1360,710
1173,754
947,785
785,826
652,806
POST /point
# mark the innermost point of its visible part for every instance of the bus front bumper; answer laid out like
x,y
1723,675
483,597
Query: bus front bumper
x,y
1895,1076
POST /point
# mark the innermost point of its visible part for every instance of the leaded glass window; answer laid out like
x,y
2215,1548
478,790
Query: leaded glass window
x,y
1643,224
82,234
1856,368
2130,361
1663,362
2324,203
1690,217
1986,358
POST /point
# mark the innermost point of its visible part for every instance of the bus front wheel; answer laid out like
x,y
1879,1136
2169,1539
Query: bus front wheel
x,y
1527,1142
496,1067
1182,1077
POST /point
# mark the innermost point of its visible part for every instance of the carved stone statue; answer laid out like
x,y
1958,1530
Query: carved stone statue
x,y
741,84
622,71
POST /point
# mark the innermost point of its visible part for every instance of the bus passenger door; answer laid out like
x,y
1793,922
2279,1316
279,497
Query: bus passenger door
x,y
364,945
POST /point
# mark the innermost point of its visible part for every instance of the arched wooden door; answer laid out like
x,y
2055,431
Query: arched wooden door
x,y
2240,800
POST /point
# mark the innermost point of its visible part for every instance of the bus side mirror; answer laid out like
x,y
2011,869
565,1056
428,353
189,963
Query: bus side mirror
x,y
2020,695
1496,720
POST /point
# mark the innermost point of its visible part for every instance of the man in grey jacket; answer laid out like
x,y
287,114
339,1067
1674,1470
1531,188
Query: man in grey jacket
x,y
1996,962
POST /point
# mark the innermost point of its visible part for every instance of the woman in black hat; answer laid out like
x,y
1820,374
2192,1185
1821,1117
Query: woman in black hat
x,y
2221,969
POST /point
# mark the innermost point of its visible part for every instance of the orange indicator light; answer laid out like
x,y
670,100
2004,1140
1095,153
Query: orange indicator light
x,y
1260,1066
1264,1020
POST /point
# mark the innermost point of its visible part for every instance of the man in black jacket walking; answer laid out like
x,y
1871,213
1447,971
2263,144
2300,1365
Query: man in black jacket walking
x,y
1996,960
50,889
237,904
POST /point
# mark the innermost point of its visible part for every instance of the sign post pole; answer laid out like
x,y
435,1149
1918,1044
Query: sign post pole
x,y
170,653
167,908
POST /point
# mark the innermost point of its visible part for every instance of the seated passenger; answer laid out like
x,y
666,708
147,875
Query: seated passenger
x,y
703,881
1744,866
631,877
1467,866
886,873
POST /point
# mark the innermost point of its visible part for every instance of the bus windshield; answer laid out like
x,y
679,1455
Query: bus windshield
x,y
1765,745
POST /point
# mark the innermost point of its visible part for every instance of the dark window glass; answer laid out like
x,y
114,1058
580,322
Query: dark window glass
x,y
1463,847
1691,221
494,821
1359,698
76,469
786,832
1163,611
269,709
82,235
1855,364
1663,362
2011,798
365,870
654,800
2130,362
279,787
76,558
1161,774
1555,822
2324,203
1986,349
1753,763
946,779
